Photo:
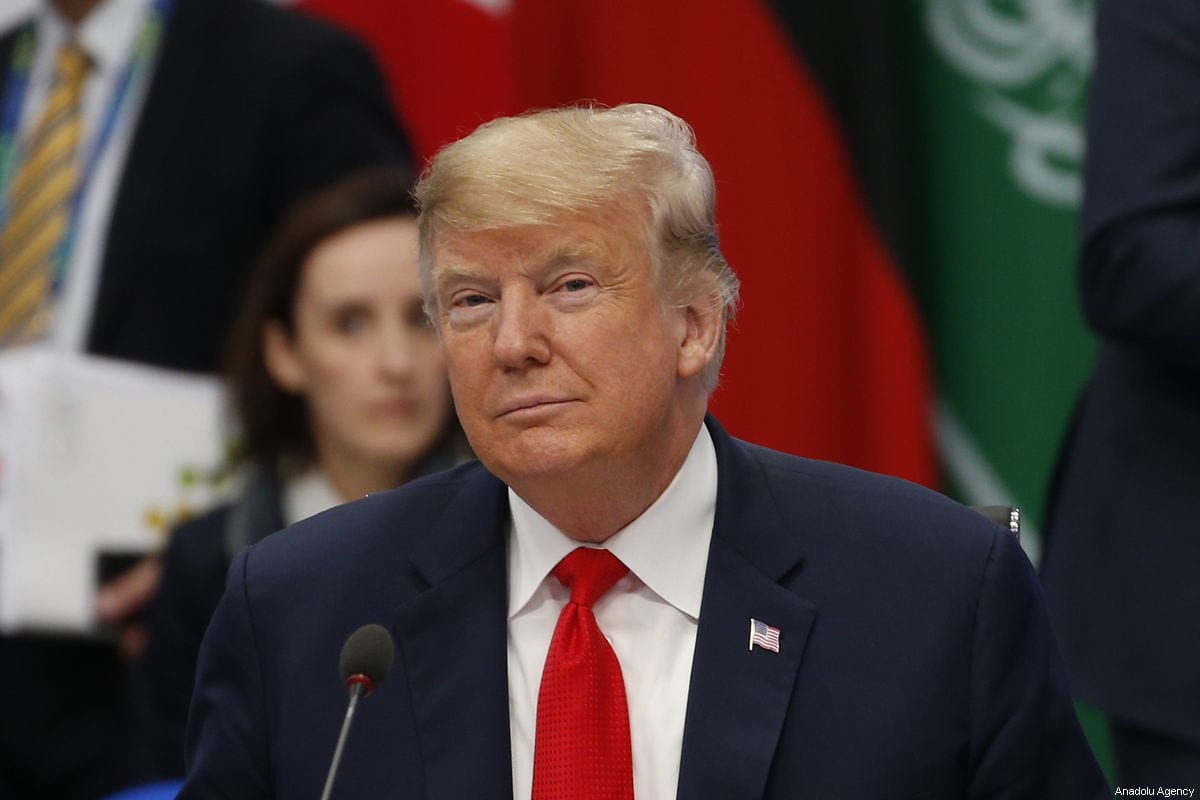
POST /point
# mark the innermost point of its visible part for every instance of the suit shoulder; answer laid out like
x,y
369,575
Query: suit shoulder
x,y
289,36
783,469
392,522
882,510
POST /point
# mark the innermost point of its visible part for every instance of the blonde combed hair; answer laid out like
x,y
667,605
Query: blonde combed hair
x,y
546,166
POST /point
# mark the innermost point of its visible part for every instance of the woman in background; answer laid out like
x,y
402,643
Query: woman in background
x,y
339,388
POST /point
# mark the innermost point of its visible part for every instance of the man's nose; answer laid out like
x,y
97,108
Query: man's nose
x,y
519,339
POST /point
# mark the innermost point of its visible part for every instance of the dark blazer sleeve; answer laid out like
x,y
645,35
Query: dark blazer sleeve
x,y
227,737
1140,268
1025,738
194,568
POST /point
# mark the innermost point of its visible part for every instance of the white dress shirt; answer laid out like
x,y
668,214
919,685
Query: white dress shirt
x,y
649,617
306,495
108,35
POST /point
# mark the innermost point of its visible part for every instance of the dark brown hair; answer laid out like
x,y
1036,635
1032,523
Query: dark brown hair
x,y
273,423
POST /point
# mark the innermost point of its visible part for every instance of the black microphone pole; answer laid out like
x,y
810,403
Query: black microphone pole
x,y
365,662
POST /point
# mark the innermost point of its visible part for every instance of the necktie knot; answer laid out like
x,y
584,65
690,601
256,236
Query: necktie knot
x,y
72,63
589,573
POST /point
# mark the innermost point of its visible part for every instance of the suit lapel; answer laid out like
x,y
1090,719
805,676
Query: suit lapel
x,y
8,43
739,697
452,640
176,86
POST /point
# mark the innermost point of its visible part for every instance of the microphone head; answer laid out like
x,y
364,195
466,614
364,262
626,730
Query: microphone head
x,y
368,653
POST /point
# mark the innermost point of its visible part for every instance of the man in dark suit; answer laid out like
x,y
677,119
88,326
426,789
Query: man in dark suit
x,y
245,107
1123,542
621,599
248,107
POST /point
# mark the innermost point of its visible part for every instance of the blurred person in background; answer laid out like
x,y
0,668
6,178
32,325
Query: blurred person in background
x,y
160,140
1123,541
339,389
146,149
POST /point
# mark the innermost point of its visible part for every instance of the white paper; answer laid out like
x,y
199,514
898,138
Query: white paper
x,y
92,458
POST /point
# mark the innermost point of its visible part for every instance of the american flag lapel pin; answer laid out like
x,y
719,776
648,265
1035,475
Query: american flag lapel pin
x,y
764,636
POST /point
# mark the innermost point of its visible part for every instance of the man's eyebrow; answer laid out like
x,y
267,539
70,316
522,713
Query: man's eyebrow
x,y
552,258
568,252
455,273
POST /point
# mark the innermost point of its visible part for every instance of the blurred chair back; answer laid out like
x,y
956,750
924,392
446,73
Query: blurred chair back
x,y
1005,516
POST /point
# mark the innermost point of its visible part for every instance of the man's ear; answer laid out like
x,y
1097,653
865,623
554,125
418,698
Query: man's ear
x,y
279,355
704,322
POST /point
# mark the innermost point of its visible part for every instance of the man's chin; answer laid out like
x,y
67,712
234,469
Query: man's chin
x,y
535,454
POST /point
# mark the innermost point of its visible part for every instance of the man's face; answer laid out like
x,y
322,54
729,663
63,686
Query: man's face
x,y
562,357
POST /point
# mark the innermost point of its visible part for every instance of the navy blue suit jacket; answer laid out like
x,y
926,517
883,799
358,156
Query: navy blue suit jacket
x,y
1123,540
916,659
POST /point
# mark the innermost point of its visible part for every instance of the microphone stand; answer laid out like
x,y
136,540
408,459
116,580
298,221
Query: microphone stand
x,y
359,687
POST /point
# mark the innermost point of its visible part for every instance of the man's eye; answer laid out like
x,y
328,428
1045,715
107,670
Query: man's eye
x,y
471,300
573,286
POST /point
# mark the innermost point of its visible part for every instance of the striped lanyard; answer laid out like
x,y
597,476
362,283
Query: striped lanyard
x,y
134,74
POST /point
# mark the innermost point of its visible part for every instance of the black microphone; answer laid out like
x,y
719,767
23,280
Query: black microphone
x,y
366,660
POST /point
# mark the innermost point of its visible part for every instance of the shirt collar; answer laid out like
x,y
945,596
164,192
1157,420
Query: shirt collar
x,y
108,34
666,547
308,494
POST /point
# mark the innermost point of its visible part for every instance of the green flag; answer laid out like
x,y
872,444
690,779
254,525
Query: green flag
x,y
997,92
997,123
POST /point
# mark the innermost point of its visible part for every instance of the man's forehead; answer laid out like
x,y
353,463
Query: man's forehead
x,y
528,247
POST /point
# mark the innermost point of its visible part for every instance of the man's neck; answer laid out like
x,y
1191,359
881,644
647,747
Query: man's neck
x,y
74,11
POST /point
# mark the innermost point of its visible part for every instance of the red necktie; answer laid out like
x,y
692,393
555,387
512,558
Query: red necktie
x,y
581,747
